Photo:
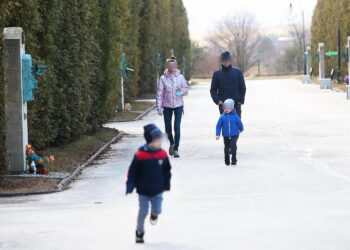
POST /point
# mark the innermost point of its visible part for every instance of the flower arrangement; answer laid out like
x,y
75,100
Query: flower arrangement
x,y
36,164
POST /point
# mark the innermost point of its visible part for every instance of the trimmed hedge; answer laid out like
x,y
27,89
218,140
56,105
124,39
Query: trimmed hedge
x,y
82,42
324,29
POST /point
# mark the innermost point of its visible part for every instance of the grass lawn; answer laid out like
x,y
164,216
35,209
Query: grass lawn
x,y
67,158
137,108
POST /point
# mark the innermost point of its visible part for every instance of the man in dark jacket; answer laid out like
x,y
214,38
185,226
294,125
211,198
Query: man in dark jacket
x,y
228,83
150,174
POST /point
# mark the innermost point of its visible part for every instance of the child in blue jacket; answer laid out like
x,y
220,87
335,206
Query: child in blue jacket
x,y
230,125
150,174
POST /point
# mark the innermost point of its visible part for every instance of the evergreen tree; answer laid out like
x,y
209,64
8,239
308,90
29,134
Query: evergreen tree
x,y
328,16
82,42
149,46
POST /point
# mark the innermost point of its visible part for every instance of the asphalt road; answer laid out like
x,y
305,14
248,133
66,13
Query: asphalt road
x,y
291,189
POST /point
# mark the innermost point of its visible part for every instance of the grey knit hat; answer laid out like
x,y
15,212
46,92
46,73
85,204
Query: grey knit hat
x,y
229,104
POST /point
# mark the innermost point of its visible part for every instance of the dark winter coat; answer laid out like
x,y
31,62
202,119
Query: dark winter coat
x,y
229,125
228,83
149,172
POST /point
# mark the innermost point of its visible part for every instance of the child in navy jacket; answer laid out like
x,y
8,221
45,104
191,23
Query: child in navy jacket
x,y
230,125
150,174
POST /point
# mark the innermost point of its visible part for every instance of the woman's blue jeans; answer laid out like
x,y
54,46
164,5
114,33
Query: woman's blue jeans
x,y
168,116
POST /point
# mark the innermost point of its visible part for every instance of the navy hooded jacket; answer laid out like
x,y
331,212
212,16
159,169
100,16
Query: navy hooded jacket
x,y
228,82
229,124
149,172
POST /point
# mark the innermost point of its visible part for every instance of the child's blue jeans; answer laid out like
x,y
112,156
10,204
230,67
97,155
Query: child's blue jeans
x,y
156,208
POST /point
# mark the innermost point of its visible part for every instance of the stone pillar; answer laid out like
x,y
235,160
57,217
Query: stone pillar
x,y
309,60
321,68
325,83
15,108
348,87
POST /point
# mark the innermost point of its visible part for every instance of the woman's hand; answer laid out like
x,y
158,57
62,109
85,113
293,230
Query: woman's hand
x,y
179,92
217,138
160,112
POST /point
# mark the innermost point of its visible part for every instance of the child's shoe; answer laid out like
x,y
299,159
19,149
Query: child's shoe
x,y
171,150
227,160
139,237
154,219
234,162
176,154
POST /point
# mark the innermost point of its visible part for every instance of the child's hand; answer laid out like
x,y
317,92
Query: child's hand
x,y
217,138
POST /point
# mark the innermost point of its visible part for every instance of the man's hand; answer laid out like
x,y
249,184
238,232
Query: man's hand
x,y
160,112
217,138
220,103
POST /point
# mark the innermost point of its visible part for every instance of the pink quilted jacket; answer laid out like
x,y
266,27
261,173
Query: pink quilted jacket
x,y
166,90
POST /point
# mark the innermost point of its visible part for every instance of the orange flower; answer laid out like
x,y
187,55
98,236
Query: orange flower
x,y
51,158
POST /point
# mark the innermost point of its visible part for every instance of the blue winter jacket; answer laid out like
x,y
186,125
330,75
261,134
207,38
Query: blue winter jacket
x,y
229,124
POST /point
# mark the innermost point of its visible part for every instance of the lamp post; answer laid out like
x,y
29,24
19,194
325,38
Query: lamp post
x,y
339,46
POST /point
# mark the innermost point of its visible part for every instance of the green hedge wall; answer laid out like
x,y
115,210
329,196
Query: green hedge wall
x,y
82,41
327,15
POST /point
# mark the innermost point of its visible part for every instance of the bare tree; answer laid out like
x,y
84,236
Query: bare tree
x,y
240,35
299,36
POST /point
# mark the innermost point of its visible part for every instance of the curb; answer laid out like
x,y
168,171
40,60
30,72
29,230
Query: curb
x,y
9,195
65,182
139,117
146,112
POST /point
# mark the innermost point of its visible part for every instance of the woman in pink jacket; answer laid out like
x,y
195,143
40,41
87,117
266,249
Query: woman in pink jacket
x,y
171,89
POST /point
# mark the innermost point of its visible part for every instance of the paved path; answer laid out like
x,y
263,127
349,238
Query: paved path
x,y
290,191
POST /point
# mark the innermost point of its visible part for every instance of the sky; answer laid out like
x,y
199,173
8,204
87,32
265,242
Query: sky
x,y
203,14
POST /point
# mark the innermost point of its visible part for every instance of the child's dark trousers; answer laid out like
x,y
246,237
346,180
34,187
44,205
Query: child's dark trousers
x,y
231,147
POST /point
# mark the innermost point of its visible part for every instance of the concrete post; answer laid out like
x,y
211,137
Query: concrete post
x,y
321,72
307,77
309,61
348,86
325,83
15,108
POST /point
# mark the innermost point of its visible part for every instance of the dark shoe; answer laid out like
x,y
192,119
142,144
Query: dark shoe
x,y
176,154
139,237
154,219
171,150
234,162
227,160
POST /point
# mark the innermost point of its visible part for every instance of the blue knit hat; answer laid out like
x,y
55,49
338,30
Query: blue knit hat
x,y
152,132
